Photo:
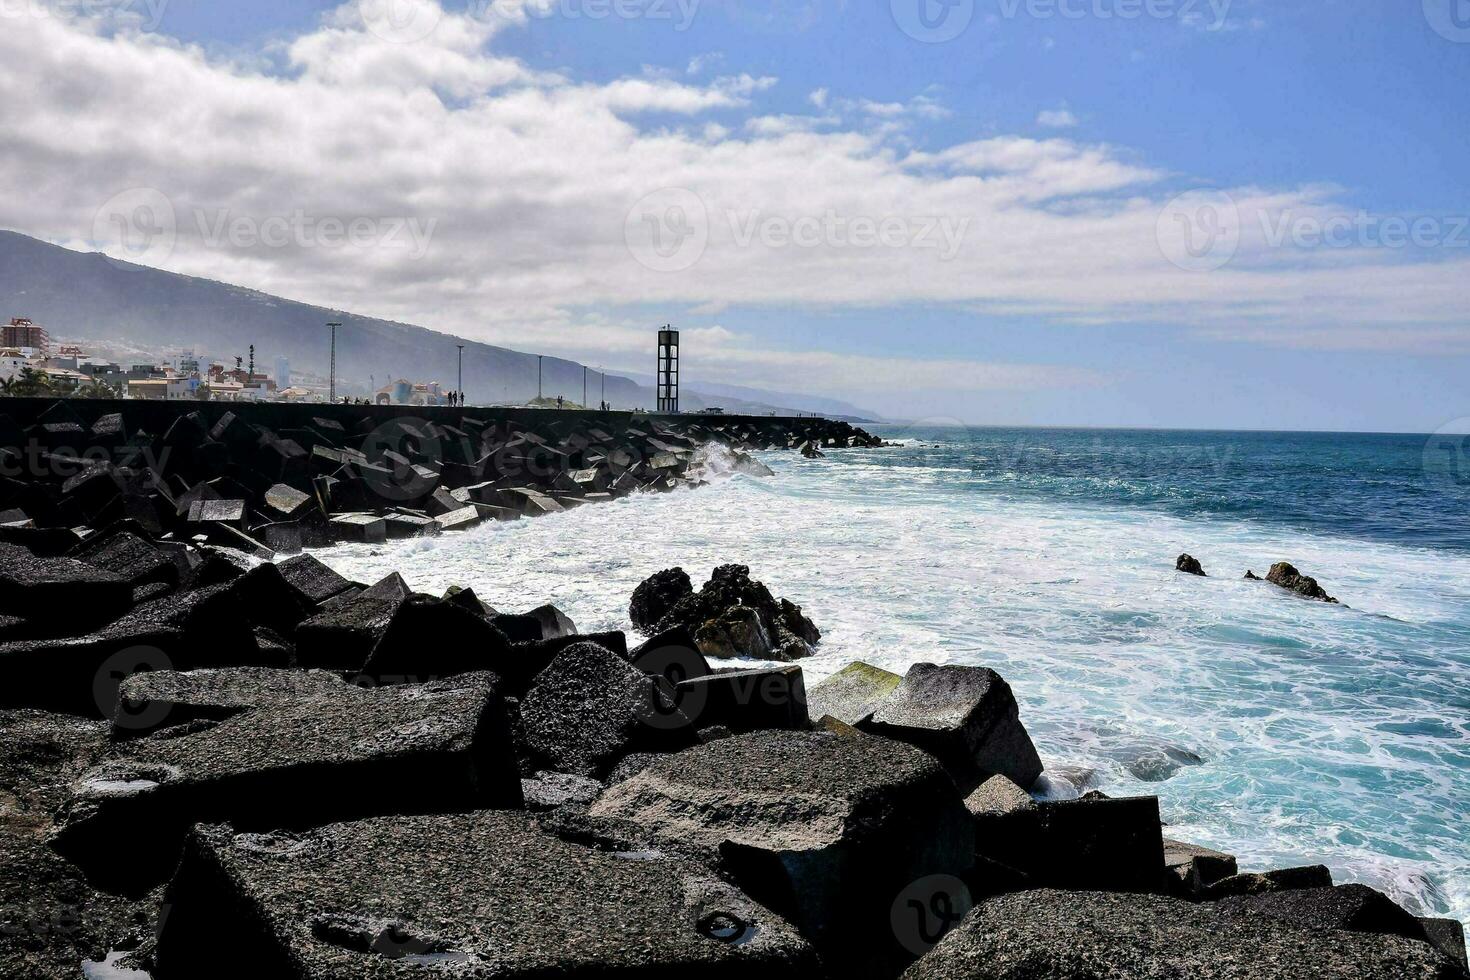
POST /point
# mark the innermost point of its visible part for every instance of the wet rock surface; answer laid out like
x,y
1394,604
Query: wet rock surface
x,y
1047,934
1284,575
470,895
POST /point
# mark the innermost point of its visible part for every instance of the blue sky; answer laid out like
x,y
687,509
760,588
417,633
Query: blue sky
x,y
1052,141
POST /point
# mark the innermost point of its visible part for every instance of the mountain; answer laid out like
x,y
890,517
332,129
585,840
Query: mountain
x,y
87,295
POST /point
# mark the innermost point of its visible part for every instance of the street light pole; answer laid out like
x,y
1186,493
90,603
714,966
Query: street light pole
x,y
460,389
332,379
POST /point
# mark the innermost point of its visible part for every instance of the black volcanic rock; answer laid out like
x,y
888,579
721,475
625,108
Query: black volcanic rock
x,y
1189,565
1285,575
657,595
1051,935
475,896
717,615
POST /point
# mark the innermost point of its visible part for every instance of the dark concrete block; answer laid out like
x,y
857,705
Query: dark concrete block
x,y
1193,868
826,830
469,895
1092,843
295,758
344,633
126,554
40,588
852,694
746,700
1046,934
590,708
965,716
1261,883
430,638
312,580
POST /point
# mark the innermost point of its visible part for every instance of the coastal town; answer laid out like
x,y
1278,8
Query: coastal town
x,y
32,363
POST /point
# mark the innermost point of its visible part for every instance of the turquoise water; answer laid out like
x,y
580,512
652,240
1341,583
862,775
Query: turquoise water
x,y
1283,730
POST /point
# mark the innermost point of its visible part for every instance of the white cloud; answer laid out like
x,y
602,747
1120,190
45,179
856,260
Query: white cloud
x,y
1056,119
530,179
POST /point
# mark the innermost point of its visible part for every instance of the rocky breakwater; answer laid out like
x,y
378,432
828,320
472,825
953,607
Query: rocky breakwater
x,y
273,479
260,770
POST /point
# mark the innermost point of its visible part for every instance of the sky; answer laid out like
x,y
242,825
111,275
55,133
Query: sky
x,y
1191,213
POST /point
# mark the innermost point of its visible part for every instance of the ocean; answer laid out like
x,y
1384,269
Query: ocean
x,y
1282,730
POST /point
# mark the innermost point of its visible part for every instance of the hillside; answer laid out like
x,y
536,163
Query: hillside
x,y
79,294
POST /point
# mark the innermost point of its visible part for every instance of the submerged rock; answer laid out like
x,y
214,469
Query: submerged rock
x,y
1189,565
481,895
1048,935
1285,575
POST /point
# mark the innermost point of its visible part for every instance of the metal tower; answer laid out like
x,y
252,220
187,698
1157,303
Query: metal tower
x,y
668,371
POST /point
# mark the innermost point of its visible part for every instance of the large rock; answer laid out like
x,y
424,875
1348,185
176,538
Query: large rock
x,y
1189,565
481,895
124,553
853,693
300,755
657,595
965,716
1265,882
590,708
344,633
185,630
1285,575
828,830
784,634
1051,935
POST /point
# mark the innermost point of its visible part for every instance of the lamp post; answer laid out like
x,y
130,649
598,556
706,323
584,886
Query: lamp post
x,y
332,379
460,389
